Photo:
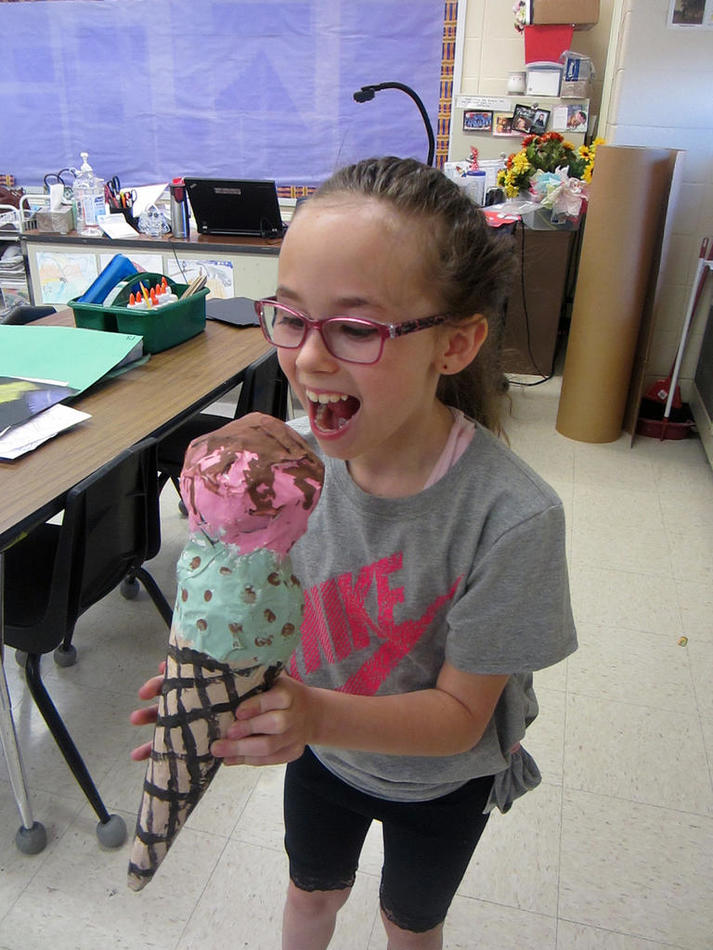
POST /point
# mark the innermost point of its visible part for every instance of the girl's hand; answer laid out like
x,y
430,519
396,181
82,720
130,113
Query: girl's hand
x,y
271,728
147,714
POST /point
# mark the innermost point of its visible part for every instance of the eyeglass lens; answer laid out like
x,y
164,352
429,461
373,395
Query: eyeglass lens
x,y
346,338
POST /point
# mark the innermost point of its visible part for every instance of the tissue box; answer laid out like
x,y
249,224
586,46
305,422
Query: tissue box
x,y
582,13
61,222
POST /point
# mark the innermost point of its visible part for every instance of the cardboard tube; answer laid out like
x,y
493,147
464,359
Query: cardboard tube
x,y
621,236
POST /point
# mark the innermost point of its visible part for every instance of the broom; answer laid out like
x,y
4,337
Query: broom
x,y
665,392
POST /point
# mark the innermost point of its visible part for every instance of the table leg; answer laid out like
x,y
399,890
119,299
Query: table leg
x,y
31,837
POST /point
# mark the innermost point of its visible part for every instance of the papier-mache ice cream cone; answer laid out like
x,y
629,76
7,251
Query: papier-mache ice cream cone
x,y
249,489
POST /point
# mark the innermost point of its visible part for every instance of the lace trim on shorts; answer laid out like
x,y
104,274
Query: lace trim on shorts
x,y
309,883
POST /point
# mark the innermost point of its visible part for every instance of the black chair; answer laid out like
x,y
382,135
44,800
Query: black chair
x,y
264,389
24,313
110,526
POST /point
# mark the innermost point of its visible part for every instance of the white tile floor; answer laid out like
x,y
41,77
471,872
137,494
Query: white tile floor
x,y
614,851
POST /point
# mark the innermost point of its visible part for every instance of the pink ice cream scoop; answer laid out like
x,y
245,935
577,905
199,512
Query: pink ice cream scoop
x,y
257,494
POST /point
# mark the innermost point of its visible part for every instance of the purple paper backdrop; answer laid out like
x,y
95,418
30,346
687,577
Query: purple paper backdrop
x,y
259,89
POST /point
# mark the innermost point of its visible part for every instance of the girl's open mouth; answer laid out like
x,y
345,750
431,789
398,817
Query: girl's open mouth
x,y
330,413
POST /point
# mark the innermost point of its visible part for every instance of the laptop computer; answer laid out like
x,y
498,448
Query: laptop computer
x,y
234,206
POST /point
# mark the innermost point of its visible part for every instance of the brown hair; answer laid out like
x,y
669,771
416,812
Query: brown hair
x,y
471,267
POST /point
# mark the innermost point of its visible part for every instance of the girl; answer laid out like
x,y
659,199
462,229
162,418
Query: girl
x,y
434,566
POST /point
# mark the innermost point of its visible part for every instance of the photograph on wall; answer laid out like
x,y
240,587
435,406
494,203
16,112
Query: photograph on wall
x,y
577,118
539,122
475,120
571,118
522,119
690,13
502,124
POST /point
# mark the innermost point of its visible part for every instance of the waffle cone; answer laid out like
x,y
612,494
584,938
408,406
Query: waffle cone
x,y
198,700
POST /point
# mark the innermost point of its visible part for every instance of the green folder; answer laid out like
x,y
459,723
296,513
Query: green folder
x,y
69,356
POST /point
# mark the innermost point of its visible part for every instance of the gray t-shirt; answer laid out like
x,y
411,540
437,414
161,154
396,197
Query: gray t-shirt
x,y
471,570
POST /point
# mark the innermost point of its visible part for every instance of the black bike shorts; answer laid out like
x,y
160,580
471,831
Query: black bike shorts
x,y
427,845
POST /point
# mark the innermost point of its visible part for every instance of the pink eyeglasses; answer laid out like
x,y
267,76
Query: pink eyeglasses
x,y
351,339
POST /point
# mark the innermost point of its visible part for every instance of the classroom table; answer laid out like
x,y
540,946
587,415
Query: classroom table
x,y
148,400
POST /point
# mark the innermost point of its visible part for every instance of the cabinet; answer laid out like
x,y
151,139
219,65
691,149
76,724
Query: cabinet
x,y
538,300
62,266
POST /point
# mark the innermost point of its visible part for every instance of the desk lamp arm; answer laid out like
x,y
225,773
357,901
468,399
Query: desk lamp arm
x,y
367,92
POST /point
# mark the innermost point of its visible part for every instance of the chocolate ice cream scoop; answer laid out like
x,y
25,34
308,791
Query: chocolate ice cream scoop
x,y
252,483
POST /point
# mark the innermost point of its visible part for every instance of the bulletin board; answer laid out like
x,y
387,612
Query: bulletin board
x,y
152,89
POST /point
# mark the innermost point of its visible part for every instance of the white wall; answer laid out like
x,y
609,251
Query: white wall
x,y
662,95
492,47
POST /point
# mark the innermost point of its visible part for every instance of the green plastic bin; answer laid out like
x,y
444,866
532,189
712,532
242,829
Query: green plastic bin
x,y
161,327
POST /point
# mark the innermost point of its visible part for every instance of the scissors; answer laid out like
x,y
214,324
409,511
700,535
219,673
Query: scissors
x,y
127,197
52,178
113,191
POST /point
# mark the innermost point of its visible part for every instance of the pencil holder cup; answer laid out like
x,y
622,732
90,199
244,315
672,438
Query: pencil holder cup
x,y
128,217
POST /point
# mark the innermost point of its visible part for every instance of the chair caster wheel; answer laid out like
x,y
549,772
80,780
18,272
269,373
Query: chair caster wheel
x,y
129,588
31,840
65,656
112,833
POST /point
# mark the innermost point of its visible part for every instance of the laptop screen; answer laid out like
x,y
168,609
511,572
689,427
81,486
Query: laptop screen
x,y
234,206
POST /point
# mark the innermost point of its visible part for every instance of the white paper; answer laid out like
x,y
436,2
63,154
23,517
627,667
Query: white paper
x,y
496,103
218,274
56,196
115,226
45,425
147,195
64,276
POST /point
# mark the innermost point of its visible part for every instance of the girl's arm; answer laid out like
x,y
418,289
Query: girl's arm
x,y
275,726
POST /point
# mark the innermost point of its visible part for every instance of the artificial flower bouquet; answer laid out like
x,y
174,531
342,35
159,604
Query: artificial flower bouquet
x,y
520,14
552,172
561,194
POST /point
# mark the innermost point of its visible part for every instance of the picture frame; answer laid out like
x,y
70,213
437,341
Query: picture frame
x,y
502,124
477,120
540,121
529,120
690,14
522,119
